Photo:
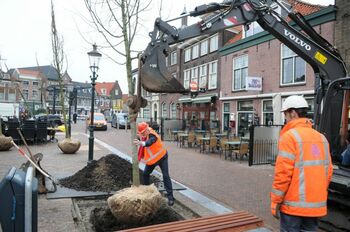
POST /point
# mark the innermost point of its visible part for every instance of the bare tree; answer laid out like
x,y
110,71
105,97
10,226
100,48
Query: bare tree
x,y
58,59
118,22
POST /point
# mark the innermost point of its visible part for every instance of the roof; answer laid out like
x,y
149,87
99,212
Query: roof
x,y
304,8
29,72
48,70
104,85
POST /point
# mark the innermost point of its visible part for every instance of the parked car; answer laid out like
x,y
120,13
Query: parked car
x,y
122,119
53,120
100,122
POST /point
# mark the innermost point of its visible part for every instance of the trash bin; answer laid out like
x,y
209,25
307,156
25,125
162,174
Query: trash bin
x,y
13,204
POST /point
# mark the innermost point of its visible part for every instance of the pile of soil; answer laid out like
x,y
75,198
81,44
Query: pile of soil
x,y
103,220
108,174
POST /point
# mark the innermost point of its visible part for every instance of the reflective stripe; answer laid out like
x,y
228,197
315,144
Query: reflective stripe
x,y
278,192
326,153
303,204
286,155
311,163
301,171
152,156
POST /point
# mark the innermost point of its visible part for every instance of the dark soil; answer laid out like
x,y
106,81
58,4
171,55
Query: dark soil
x,y
108,174
103,220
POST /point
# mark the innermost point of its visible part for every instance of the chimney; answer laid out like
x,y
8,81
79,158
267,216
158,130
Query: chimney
x,y
184,19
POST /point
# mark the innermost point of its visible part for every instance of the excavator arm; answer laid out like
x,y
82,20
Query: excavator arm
x,y
329,68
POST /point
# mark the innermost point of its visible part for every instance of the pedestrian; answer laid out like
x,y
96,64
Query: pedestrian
x,y
154,154
345,155
303,171
75,117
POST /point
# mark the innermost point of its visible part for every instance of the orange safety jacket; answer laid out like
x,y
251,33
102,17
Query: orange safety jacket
x,y
154,152
303,171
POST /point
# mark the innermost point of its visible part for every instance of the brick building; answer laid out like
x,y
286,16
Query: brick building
x,y
282,72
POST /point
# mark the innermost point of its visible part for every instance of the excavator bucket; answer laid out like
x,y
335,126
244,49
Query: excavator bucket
x,y
155,76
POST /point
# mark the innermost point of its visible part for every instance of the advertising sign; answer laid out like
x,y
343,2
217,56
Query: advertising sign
x,y
254,83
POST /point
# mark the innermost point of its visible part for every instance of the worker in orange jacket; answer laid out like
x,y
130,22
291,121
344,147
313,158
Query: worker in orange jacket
x,y
303,171
154,154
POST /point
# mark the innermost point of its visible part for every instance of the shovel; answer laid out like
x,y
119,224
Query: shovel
x,y
53,179
155,76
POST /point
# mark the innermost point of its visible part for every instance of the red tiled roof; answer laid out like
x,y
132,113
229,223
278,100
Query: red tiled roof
x,y
298,6
29,72
104,85
304,8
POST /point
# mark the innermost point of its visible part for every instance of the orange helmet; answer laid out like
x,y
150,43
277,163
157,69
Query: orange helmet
x,y
142,127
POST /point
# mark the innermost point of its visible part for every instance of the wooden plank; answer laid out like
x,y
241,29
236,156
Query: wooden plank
x,y
238,221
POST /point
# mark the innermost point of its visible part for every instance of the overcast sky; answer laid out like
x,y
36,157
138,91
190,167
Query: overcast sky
x,y
25,34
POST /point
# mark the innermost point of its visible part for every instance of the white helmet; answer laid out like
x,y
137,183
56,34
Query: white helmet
x,y
295,102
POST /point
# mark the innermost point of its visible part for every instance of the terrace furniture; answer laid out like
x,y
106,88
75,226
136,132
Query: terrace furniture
x,y
41,131
12,130
28,130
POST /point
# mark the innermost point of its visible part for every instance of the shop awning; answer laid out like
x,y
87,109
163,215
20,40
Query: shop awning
x,y
199,99
202,99
185,99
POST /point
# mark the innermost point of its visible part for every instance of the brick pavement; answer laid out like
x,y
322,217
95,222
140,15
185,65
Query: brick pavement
x,y
231,183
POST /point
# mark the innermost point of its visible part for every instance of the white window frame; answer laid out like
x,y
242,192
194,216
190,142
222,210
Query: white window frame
x,y
172,112
194,74
187,54
294,56
263,111
187,77
243,82
173,58
164,110
203,76
204,47
213,75
213,43
195,51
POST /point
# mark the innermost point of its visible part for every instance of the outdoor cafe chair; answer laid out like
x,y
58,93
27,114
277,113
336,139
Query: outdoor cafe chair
x,y
41,131
198,139
28,130
242,151
230,148
191,139
12,130
223,146
211,145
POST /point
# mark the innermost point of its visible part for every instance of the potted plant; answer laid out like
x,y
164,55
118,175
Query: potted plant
x,y
5,142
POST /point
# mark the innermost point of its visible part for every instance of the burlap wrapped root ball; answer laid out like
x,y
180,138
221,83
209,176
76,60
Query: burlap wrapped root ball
x,y
135,204
69,145
5,143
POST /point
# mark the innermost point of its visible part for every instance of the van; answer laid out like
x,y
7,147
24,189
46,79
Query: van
x,y
100,122
120,119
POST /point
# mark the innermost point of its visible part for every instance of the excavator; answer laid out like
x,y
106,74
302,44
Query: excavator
x,y
331,84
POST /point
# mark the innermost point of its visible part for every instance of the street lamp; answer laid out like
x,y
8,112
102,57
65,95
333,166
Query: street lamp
x,y
94,58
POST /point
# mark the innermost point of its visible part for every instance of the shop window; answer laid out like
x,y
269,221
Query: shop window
x,y
226,116
267,112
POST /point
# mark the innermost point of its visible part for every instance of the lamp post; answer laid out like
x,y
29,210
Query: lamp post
x,y
94,58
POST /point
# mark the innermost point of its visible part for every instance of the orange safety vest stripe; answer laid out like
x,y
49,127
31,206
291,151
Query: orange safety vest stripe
x,y
154,152
303,171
